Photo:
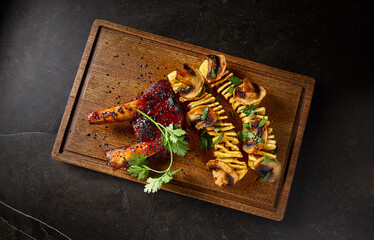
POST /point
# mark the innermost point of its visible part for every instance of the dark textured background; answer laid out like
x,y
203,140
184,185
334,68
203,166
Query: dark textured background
x,y
332,197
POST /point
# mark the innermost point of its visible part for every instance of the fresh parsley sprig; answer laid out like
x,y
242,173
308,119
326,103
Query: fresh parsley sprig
x,y
236,82
249,110
173,140
213,74
243,135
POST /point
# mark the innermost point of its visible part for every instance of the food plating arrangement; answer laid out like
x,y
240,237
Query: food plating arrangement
x,y
157,120
185,119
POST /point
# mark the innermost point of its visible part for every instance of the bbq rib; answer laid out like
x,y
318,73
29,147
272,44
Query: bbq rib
x,y
159,103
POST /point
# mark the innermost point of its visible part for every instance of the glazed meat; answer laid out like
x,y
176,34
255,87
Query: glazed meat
x,y
159,103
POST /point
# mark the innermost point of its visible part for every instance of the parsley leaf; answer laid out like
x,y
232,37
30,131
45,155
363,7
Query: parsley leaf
x,y
138,166
246,125
205,113
249,110
231,89
235,80
153,185
180,148
218,99
138,171
219,139
217,127
266,177
206,141
213,74
233,115
173,139
202,91
267,159
262,123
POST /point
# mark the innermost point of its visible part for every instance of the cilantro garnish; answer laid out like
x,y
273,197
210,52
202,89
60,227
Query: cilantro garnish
x,y
262,123
173,140
206,141
266,177
213,74
235,80
202,91
218,99
219,139
233,115
246,125
217,127
205,113
267,159
231,89
249,110
243,135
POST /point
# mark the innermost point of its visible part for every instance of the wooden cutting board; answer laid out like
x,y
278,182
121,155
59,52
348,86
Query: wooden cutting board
x,y
119,63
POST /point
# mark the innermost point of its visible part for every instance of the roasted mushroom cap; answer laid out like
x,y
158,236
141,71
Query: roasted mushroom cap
x,y
192,77
263,168
223,174
251,145
194,117
216,67
249,93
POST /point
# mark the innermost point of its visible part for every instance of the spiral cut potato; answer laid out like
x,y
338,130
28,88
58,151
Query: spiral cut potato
x,y
226,168
244,95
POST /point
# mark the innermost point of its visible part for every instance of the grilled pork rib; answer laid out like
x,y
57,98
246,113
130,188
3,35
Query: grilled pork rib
x,y
159,103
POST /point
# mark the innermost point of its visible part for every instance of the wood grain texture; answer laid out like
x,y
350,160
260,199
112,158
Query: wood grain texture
x,y
119,63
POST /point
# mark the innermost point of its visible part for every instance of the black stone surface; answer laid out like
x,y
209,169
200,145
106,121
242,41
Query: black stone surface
x,y
332,197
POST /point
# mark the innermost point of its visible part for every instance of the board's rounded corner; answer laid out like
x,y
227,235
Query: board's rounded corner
x,y
99,21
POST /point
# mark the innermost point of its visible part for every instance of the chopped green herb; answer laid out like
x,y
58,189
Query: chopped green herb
x,y
217,127
249,110
233,115
209,90
235,80
231,89
202,91
218,99
213,74
262,123
266,177
246,125
206,141
205,113
173,140
267,159
243,135
204,144
138,166
219,139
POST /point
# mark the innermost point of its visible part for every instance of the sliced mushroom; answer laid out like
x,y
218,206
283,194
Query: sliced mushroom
x,y
263,168
216,64
249,93
194,116
192,77
251,145
223,174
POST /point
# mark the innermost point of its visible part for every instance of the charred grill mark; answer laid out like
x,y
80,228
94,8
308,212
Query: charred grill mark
x,y
239,92
216,64
186,67
256,89
230,179
186,90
